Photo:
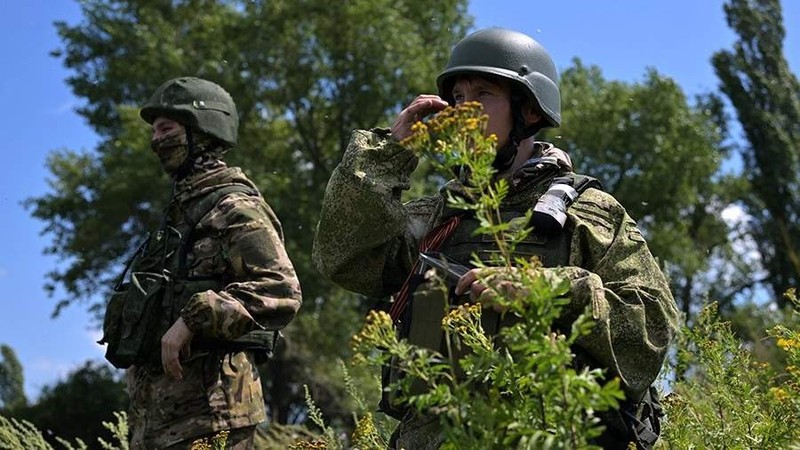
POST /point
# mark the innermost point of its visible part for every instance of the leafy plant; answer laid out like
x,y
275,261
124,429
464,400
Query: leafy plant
x,y
23,434
724,398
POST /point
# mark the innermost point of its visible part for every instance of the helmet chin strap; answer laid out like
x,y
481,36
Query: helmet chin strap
x,y
519,132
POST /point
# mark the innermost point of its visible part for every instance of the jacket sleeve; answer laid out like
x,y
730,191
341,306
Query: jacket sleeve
x,y
244,241
366,237
613,272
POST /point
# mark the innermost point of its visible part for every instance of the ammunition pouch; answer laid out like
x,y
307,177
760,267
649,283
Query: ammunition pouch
x,y
128,326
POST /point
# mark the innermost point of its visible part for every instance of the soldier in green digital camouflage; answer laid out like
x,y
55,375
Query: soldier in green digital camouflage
x,y
202,299
369,242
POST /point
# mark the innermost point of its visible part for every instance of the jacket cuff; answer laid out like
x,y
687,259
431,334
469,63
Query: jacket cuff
x,y
195,313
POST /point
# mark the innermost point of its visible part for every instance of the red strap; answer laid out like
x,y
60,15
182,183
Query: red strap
x,y
430,242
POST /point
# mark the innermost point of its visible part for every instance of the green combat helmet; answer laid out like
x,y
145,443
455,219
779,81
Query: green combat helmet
x,y
510,55
197,103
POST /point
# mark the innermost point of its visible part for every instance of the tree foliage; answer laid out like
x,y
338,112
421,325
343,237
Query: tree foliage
x,y
659,154
12,380
755,77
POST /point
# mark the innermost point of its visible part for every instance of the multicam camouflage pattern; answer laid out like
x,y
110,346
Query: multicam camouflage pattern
x,y
367,241
238,247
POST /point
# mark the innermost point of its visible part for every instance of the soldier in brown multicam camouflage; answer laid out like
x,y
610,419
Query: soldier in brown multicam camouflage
x,y
594,242
209,289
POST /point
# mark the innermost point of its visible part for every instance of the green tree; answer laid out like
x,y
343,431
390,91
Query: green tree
x,y
756,78
303,74
77,406
659,154
12,392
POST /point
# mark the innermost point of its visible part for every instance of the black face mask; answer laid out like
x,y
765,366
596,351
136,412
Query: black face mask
x,y
172,151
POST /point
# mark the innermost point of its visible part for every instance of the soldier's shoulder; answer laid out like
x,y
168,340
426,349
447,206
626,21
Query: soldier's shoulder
x,y
238,206
599,208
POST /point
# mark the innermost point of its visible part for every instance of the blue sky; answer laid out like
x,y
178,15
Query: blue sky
x,y
623,37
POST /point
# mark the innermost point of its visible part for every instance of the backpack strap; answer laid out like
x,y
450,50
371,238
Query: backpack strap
x,y
578,182
121,277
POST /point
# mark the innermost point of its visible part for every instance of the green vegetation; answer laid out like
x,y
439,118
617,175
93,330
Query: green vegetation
x,y
725,398
303,75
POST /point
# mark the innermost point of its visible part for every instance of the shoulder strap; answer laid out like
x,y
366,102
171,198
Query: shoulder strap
x,y
196,213
578,182
121,277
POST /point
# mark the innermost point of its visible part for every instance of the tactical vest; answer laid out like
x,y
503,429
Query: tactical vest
x,y
552,249
141,310
634,422
421,321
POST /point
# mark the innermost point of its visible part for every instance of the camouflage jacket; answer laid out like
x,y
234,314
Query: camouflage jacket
x,y
367,241
237,245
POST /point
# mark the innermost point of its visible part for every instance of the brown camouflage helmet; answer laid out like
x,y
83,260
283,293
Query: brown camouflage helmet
x,y
510,55
199,104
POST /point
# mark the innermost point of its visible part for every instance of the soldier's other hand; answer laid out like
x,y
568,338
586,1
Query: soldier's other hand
x,y
471,284
174,343
421,107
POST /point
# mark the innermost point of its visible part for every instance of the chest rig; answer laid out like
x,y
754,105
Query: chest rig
x,y
421,320
551,247
142,309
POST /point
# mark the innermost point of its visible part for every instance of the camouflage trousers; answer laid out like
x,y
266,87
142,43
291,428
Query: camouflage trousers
x,y
217,392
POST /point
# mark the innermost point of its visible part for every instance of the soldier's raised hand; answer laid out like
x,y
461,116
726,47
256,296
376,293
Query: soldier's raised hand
x,y
421,107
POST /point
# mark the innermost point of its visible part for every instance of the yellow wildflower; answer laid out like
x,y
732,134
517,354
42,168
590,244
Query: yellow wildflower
x,y
779,394
788,344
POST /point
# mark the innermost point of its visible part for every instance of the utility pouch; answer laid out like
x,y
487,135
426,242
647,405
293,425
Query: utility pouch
x,y
112,322
132,322
422,326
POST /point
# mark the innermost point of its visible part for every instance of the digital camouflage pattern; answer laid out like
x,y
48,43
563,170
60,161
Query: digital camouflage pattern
x,y
367,241
239,279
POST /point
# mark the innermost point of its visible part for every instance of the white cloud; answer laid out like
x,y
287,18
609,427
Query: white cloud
x,y
734,215
66,107
3,272
743,243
